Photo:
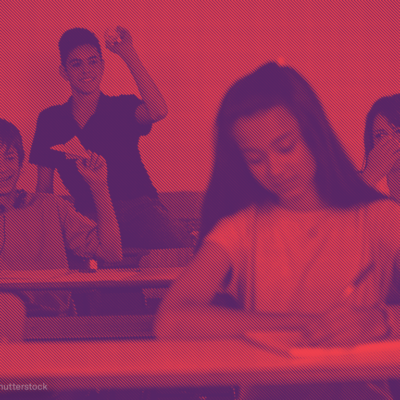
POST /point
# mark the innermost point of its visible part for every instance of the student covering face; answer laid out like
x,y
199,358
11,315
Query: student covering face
x,y
382,144
289,231
35,229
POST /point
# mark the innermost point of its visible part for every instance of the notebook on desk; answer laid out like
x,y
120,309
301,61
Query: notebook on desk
x,y
276,342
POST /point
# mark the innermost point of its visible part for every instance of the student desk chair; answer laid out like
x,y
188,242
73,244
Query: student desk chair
x,y
145,259
146,297
81,327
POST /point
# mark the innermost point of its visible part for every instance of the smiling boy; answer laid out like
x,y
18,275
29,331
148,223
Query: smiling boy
x,y
36,228
111,127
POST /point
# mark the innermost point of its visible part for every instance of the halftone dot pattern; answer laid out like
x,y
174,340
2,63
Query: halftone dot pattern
x,y
348,51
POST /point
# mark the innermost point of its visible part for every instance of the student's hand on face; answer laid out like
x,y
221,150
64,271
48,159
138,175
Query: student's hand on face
x,y
93,170
122,47
381,159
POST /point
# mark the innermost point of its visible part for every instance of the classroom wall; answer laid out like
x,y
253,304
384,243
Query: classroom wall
x,y
348,50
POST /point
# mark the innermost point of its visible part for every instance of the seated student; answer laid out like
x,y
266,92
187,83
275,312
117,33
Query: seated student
x,y
382,154
111,127
290,231
36,229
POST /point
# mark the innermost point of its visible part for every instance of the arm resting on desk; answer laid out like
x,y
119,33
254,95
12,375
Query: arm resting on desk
x,y
212,322
186,312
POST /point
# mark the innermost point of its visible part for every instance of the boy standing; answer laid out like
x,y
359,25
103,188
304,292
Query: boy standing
x,y
111,127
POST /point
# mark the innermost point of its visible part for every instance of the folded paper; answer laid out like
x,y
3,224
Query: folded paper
x,y
73,148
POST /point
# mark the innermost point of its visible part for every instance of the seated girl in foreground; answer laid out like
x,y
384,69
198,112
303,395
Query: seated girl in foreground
x,y
290,231
36,228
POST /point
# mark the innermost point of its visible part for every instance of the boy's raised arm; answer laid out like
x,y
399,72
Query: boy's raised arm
x,y
94,172
154,107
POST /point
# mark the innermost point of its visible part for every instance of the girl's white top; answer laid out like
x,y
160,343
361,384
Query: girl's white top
x,y
303,262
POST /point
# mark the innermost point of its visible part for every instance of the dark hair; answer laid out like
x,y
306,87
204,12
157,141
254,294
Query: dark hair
x,y
232,186
389,107
11,138
76,37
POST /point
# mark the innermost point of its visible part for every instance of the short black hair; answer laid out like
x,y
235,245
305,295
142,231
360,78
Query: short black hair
x,y
388,107
11,138
74,38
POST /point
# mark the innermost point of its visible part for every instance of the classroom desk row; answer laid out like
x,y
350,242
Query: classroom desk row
x,y
103,278
166,364
148,363
89,327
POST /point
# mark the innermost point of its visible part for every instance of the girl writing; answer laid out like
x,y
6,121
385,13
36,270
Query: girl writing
x,y
290,231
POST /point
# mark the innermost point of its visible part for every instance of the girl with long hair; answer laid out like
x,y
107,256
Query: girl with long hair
x,y
289,231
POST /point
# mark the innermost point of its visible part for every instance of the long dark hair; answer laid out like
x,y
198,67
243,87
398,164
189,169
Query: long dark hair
x,y
389,107
233,187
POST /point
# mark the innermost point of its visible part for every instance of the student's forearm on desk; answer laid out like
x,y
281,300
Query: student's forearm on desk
x,y
215,322
107,225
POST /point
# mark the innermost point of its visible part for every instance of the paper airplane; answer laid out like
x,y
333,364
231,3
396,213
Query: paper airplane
x,y
73,148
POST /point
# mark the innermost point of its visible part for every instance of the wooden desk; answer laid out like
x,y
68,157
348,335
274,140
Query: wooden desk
x,y
152,364
111,327
104,278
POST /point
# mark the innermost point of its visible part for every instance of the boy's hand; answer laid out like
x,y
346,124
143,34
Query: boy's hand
x,y
124,47
93,170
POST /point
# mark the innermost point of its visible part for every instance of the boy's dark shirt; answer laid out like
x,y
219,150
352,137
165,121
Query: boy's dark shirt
x,y
112,131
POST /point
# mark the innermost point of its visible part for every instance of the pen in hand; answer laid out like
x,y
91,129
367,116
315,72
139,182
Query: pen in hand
x,y
357,281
